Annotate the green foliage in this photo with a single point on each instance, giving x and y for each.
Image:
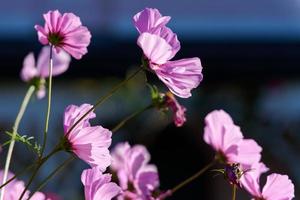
(27, 140)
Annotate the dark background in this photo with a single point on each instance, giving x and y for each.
(250, 52)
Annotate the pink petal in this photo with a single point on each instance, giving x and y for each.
(42, 34)
(170, 37)
(74, 113)
(147, 180)
(248, 152)
(221, 133)
(148, 19)
(91, 145)
(155, 48)
(29, 70)
(278, 187)
(41, 93)
(98, 186)
(38, 196)
(51, 19)
(181, 76)
(250, 179)
(179, 110)
(74, 38)
(61, 62)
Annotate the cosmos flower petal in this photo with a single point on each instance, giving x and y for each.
(248, 152)
(250, 179)
(61, 62)
(149, 19)
(64, 31)
(132, 168)
(29, 70)
(89, 143)
(181, 76)
(220, 131)
(98, 186)
(73, 113)
(155, 48)
(278, 187)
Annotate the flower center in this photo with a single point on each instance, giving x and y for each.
(233, 173)
(55, 39)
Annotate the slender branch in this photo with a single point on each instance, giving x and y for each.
(192, 178)
(18, 174)
(233, 192)
(49, 101)
(40, 162)
(53, 173)
(104, 98)
(24, 104)
(129, 117)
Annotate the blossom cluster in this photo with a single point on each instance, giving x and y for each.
(130, 176)
(243, 159)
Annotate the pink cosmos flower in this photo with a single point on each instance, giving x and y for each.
(149, 20)
(136, 177)
(227, 140)
(89, 143)
(160, 45)
(277, 187)
(40, 69)
(64, 31)
(98, 186)
(14, 189)
(179, 110)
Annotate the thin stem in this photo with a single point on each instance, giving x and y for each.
(24, 104)
(104, 98)
(58, 169)
(49, 100)
(233, 192)
(192, 178)
(129, 117)
(18, 174)
(40, 162)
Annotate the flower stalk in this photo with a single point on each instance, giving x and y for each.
(233, 192)
(104, 98)
(23, 107)
(193, 177)
(49, 100)
(129, 117)
(52, 174)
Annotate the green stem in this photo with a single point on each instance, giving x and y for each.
(129, 117)
(192, 178)
(233, 192)
(58, 169)
(40, 162)
(24, 104)
(49, 101)
(104, 98)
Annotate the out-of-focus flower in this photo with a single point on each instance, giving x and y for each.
(137, 178)
(227, 140)
(160, 45)
(14, 189)
(53, 196)
(64, 31)
(36, 72)
(178, 110)
(98, 186)
(89, 143)
(277, 187)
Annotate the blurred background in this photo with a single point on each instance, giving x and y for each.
(250, 51)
